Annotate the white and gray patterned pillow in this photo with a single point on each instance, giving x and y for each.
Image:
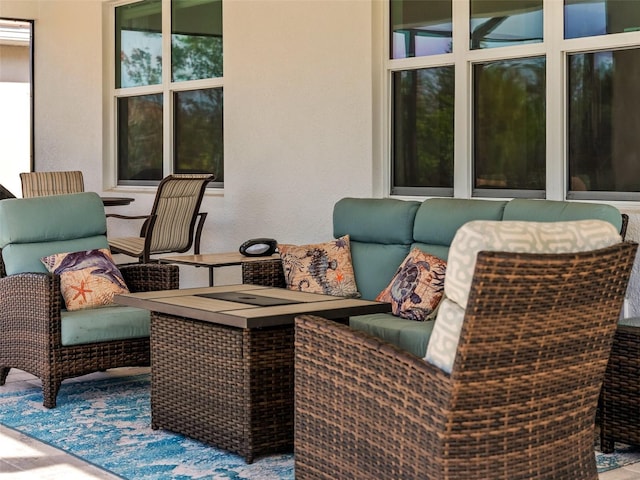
(505, 236)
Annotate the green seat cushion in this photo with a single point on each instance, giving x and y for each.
(408, 335)
(103, 324)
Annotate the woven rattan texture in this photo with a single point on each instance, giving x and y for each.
(620, 398)
(30, 328)
(268, 273)
(520, 402)
(229, 387)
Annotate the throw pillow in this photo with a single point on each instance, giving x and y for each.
(87, 279)
(505, 236)
(320, 268)
(417, 287)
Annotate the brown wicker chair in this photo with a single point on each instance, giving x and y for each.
(520, 402)
(31, 308)
(171, 225)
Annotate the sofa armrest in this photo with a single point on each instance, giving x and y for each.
(30, 304)
(149, 277)
(362, 403)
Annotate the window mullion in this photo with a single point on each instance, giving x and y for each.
(167, 100)
(462, 168)
(556, 158)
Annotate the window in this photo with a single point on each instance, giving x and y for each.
(168, 90)
(521, 98)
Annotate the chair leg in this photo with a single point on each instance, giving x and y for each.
(50, 389)
(606, 445)
(4, 371)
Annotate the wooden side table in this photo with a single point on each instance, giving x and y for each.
(215, 260)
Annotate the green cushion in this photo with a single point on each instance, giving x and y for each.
(556, 211)
(438, 219)
(31, 228)
(103, 324)
(21, 258)
(375, 220)
(408, 335)
(381, 233)
(374, 266)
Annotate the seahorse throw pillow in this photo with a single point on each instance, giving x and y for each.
(417, 287)
(320, 268)
(88, 278)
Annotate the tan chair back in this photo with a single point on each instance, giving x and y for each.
(39, 184)
(176, 207)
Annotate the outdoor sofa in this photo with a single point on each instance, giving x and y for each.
(382, 232)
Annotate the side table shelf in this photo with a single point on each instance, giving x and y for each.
(252, 267)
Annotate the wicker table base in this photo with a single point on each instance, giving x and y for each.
(228, 387)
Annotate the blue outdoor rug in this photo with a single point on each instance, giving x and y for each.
(107, 423)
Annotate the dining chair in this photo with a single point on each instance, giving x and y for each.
(533, 333)
(39, 184)
(175, 222)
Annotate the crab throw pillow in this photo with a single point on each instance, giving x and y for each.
(87, 279)
(417, 287)
(320, 268)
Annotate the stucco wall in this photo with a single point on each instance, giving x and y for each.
(298, 113)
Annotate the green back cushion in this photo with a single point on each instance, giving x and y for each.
(556, 211)
(438, 220)
(31, 228)
(381, 233)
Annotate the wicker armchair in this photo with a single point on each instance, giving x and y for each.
(171, 225)
(521, 399)
(31, 308)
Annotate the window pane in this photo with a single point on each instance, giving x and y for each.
(139, 44)
(506, 22)
(196, 39)
(198, 132)
(422, 154)
(585, 18)
(140, 138)
(509, 124)
(420, 27)
(604, 145)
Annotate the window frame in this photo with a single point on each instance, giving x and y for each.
(556, 50)
(167, 88)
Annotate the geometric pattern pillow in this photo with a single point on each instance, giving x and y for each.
(87, 279)
(320, 268)
(417, 287)
(505, 236)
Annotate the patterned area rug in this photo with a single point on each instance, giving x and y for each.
(107, 423)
